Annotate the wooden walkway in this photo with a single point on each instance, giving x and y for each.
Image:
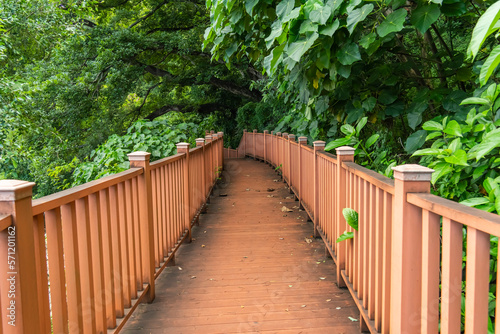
(250, 268)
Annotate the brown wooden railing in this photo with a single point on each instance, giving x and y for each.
(81, 260)
(404, 274)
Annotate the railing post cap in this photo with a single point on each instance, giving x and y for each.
(244, 130)
(220, 133)
(13, 190)
(319, 143)
(266, 131)
(254, 130)
(284, 134)
(212, 132)
(208, 137)
(345, 150)
(200, 141)
(291, 136)
(215, 136)
(278, 133)
(302, 139)
(412, 172)
(182, 145)
(139, 156)
(272, 132)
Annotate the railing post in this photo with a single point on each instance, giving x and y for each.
(285, 162)
(209, 177)
(302, 141)
(254, 133)
(291, 138)
(319, 145)
(244, 143)
(221, 136)
(145, 195)
(22, 304)
(184, 148)
(272, 149)
(406, 249)
(278, 151)
(344, 154)
(265, 146)
(201, 142)
(215, 152)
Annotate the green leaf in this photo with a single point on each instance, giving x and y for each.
(357, 16)
(484, 27)
(330, 29)
(489, 65)
(249, 5)
(337, 143)
(372, 140)
(432, 126)
(414, 119)
(395, 109)
(293, 15)
(297, 49)
(415, 141)
(393, 23)
(458, 158)
(367, 40)
(351, 217)
(440, 169)
(369, 103)
(284, 8)
(361, 124)
(348, 54)
(308, 26)
(475, 100)
(321, 15)
(480, 150)
(453, 128)
(346, 235)
(428, 151)
(423, 17)
(475, 201)
(387, 96)
(347, 129)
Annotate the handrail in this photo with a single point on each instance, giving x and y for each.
(5, 222)
(380, 181)
(472, 217)
(55, 200)
(167, 160)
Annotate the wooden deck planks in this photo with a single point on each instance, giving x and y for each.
(249, 268)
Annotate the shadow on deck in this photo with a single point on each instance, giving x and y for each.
(250, 268)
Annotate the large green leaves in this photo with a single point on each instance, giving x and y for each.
(490, 65)
(423, 17)
(485, 26)
(349, 54)
(321, 15)
(297, 49)
(284, 8)
(357, 16)
(393, 23)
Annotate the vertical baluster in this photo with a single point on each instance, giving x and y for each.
(117, 274)
(55, 252)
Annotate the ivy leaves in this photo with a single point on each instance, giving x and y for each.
(423, 17)
(393, 23)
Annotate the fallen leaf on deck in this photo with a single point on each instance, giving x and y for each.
(203, 246)
(322, 278)
(180, 268)
(289, 197)
(308, 240)
(248, 189)
(193, 277)
(286, 310)
(290, 286)
(328, 300)
(270, 189)
(295, 207)
(270, 195)
(282, 238)
(276, 180)
(222, 195)
(352, 319)
(285, 209)
(242, 306)
(303, 306)
(338, 308)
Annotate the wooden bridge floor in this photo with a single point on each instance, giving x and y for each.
(250, 268)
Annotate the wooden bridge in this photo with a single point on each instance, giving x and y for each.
(111, 255)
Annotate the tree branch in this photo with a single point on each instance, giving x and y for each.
(148, 14)
(146, 97)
